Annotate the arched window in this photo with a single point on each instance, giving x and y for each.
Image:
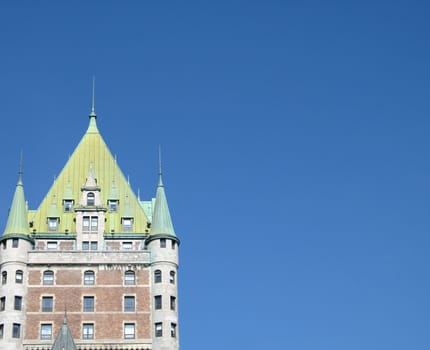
(4, 277)
(48, 277)
(172, 277)
(89, 277)
(18, 276)
(157, 276)
(129, 278)
(90, 198)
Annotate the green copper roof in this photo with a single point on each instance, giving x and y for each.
(90, 165)
(64, 340)
(17, 222)
(113, 192)
(161, 220)
(53, 211)
(128, 212)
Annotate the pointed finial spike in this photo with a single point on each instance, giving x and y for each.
(94, 86)
(160, 173)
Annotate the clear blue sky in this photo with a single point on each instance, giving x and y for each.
(295, 139)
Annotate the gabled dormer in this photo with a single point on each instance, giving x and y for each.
(90, 191)
(53, 218)
(68, 199)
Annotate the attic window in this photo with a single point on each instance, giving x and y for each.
(53, 224)
(68, 205)
(113, 205)
(127, 224)
(90, 198)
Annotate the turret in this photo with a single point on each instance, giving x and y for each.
(14, 245)
(163, 245)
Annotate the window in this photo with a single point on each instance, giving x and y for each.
(51, 245)
(157, 276)
(129, 304)
(16, 330)
(88, 304)
(88, 331)
(53, 224)
(89, 245)
(127, 245)
(158, 302)
(162, 243)
(113, 205)
(173, 244)
(46, 331)
(86, 223)
(158, 329)
(129, 278)
(47, 304)
(127, 224)
(129, 330)
(2, 303)
(172, 277)
(17, 303)
(18, 276)
(3, 243)
(90, 199)
(48, 277)
(15, 242)
(89, 278)
(1, 330)
(172, 303)
(94, 223)
(4, 277)
(173, 330)
(68, 205)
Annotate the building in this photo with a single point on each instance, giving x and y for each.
(93, 267)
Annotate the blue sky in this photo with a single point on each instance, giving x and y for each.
(295, 149)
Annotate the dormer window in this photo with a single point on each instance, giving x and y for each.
(53, 224)
(127, 224)
(68, 205)
(113, 205)
(90, 199)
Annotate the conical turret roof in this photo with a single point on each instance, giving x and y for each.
(17, 222)
(64, 340)
(161, 220)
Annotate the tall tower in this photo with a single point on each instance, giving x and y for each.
(14, 244)
(163, 245)
(96, 249)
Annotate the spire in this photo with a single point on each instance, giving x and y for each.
(53, 212)
(92, 128)
(161, 220)
(68, 193)
(64, 340)
(128, 212)
(17, 222)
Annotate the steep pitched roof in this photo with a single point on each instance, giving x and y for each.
(93, 157)
(17, 222)
(64, 340)
(161, 220)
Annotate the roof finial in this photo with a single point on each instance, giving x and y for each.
(93, 113)
(160, 173)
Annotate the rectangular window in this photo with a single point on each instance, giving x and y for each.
(113, 206)
(129, 331)
(162, 243)
(53, 224)
(127, 224)
(159, 329)
(51, 245)
(46, 331)
(129, 304)
(127, 245)
(17, 303)
(173, 244)
(129, 278)
(94, 245)
(1, 330)
(2, 303)
(48, 277)
(89, 278)
(85, 245)
(18, 276)
(172, 303)
(94, 223)
(15, 242)
(16, 330)
(173, 330)
(47, 304)
(86, 223)
(4, 277)
(68, 205)
(88, 331)
(88, 304)
(158, 302)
